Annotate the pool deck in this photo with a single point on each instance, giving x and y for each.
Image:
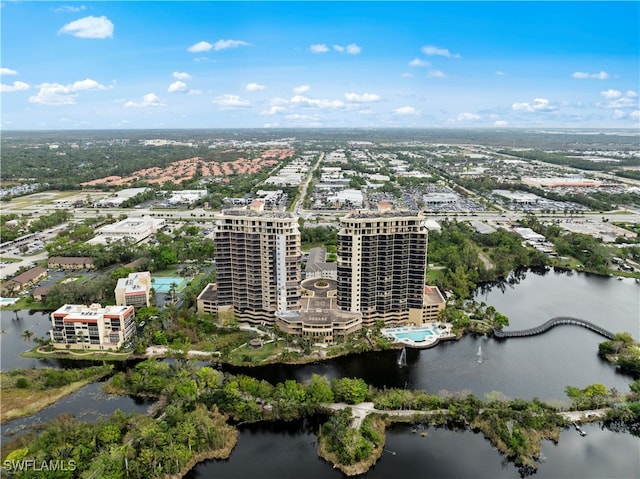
(438, 334)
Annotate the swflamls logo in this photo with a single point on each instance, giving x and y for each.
(33, 465)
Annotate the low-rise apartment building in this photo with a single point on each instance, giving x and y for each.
(92, 327)
(134, 290)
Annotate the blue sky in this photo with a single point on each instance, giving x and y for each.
(95, 65)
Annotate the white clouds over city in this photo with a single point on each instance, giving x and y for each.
(228, 101)
(418, 62)
(89, 27)
(617, 99)
(254, 87)
(468, 117)
(204, 46)
(177, 86)
(361, 98)
(319, 48)
(350, 49)
(538, 104)
(595, 76)
(55, 94)
(405, 111)
(150, 100)
(431, 50)
(16, 86)
(301, 89)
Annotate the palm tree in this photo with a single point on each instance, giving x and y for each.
(27, 335)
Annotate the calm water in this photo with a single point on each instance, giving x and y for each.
(12, 344)
(87, 404)
(539, 366)
(290, 451)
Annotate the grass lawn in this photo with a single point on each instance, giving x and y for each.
(241, 355)
(35, 395)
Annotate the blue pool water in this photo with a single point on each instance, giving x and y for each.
(418, 334)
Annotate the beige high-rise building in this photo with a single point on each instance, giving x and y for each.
(382, 259)
(258, 263)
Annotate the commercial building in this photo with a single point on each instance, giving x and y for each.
(136, 229)
(258, 263)
(134, 290)
(382, 259)
(92, 327)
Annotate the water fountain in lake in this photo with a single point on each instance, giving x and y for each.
(479, 355)
(402, 360)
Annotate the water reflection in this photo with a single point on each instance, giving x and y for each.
(289, 450)
(87, 404)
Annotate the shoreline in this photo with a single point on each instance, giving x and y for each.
(31, 402)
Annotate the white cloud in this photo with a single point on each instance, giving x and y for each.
(364, 98)
(7, 71)
(431, 50)
(70, 9)
(617, 100)
(181, 76)
(254, 87)
(623, 102)
(148, 100)
(200, 47)
(224, 44)
(194, 92)
(619, 115)
(230, 101)
(323, 103)
(610, 94)
(437, 74)
(635, 115)
(500, 123)
(177, 86)
(17, 86)
(319, 48)
(596, 76)
(273, 110)
(301, 89)
(89, 27)
(405, 111)
(499, 73)
(279, 101)
(538, 104)
(300, 117)
(58, 94)
(351, 49)
(418, 62)
(468, 116)
(407, 75)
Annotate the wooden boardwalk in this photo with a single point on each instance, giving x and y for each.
(553, 322)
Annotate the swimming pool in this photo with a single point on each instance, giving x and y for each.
(417, 334)
(412, 334)
(7, 301)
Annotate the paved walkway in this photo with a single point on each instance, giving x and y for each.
(361, 410)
